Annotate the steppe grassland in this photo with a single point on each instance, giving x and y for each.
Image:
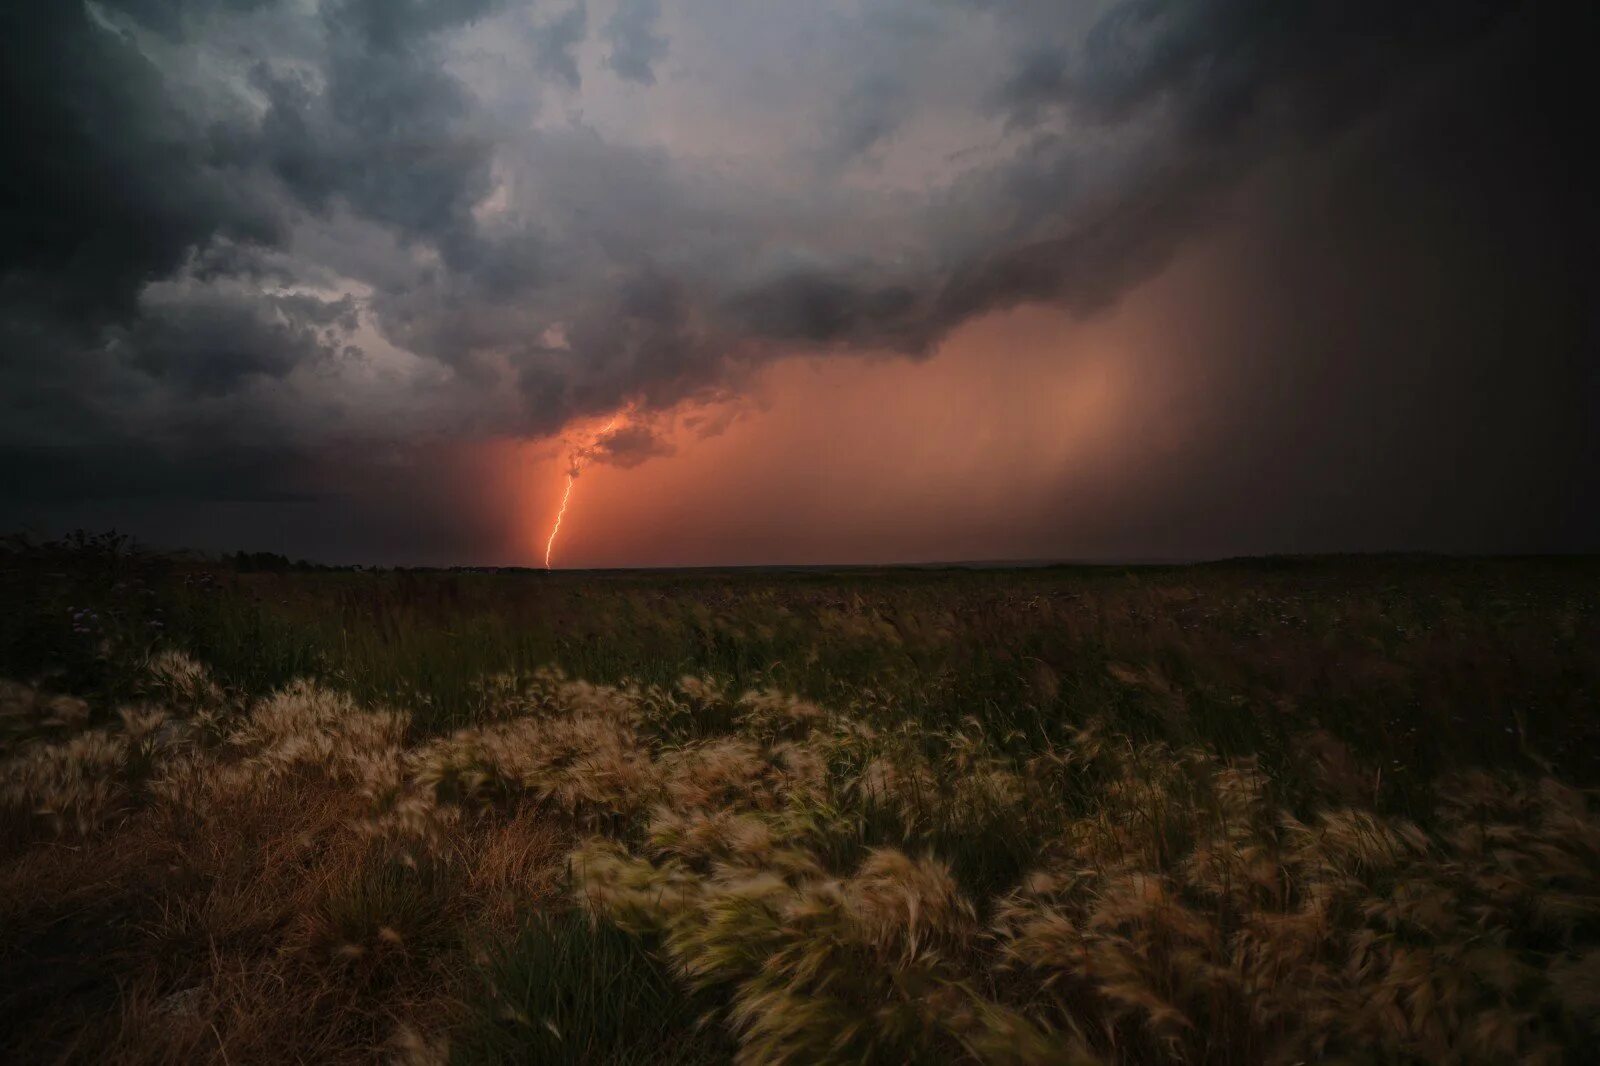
(1152, 837)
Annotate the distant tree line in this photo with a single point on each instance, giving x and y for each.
(273, 563)
(110, 551)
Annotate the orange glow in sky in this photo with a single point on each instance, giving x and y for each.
(867, 460)
(578, 458)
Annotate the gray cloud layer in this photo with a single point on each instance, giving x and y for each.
(238, 232)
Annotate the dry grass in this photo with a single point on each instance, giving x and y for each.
(234, 891)
(613, 872)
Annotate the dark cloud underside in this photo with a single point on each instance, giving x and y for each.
(240, 236)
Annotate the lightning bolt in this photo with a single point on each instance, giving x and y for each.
(578, 459)
(551, 542)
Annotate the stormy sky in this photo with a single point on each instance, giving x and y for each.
(890, 280)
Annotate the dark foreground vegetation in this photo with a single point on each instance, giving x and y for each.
(1261, 811)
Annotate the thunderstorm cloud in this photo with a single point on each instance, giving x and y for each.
(243, 235)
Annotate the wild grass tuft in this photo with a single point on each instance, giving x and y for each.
(1206, 815)
(565, 990)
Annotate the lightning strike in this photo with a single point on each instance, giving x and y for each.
(551, 541)
(578, 458)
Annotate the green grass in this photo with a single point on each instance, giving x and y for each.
(387, 908)
(568, 991)
(1020, 774)
(1427, 663)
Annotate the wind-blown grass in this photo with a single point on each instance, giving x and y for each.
(566, 990)
(1140, 854)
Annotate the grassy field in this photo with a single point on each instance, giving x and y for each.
(1263, 811)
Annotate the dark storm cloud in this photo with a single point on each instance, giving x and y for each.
(636, 44)
(125, 197)
(824, 308)
(281, 228)
(389, 135)
(1221, 63)
(397, 25)
(555, 40)
(107, 182)
(867, 116)
(124, 469)
(626, 447)
(1226, 83)
(212, 342)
